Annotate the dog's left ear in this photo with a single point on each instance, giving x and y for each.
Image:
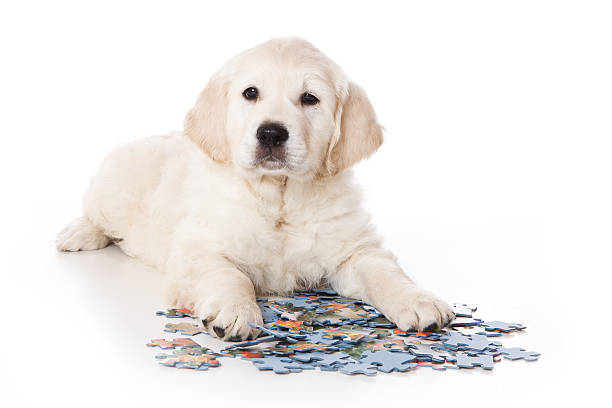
(205, 122)
(358, 133)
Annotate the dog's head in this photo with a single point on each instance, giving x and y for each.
(284, 108)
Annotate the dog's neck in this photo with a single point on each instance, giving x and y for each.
(268, 189)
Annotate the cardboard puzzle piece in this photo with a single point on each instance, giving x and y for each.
(380, 321)
(280, 365)
(458, 341)
(176, 313)
(183, 360)
(294, 326)
(438, 366)
(463, 310)
(467, 361)
(305, 302)
(346, 335)
(358, 367)
(502, 326)
(187, 329)
(249, 343)
(388, 361)
(465, 322)
(306, 346)
(320, 336)
(427, 352)
(517, 353)
(281, 335)
(173, 343)
(269, 315)
(319, 359)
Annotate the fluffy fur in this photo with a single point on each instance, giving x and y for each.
(224, 227)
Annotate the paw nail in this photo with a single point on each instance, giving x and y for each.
(219, 331)
(431, 327)
(235, 338)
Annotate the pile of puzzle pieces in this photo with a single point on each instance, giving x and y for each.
(323, 330)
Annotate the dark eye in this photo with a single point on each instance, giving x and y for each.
(309, 99)
(250, 94)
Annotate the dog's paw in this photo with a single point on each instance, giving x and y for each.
(229, 320)
(81, 235)
(418, 310)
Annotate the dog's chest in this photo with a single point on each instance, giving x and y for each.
(286, 243)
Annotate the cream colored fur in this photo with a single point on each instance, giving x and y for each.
(222, 228)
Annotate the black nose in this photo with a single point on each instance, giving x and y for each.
(272, 134)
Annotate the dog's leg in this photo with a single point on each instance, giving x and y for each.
(81, 235)
(374, 276)
(221, 295)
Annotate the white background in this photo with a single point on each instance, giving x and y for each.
(493, 187)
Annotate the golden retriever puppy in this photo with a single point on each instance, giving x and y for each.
(255, 196)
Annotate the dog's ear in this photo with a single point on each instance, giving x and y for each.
(205, 122)
(358, 133)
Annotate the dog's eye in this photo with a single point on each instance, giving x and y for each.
(309, 99)
(250, 94)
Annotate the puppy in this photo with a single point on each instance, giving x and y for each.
(255, 196)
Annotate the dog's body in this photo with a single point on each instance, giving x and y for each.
(270, 208)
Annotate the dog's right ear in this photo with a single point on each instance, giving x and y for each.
(205, 122)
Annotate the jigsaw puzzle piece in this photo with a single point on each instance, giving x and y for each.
(249, 343)
(306, 347)
(381, 321)
(349, 336)
(294, 326)
(280, 364)
(358, 367)
(463, 310)
(517, 353)
(319, 359)
(458, 341)
(437, 366)
(465, 322)
(502, 326)
(427, 352)
(173, 343)
(286, 336)
(176, 313)
(187, 329)
(182, 359)
(321, 336)
(388, 361)
(467, 361)
(304, 302)
(269, 314)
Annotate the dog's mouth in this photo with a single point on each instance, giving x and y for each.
(270, 158)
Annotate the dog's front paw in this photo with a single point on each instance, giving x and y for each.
(418, 310)
(229, 319)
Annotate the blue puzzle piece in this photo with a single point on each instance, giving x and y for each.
(463, 310)
(280, 365)
(388, 361)
(269, 315)
(319, 359)
(517, 353)
(358, 367)
(458, 341)
(427, 352)
(283, 335)
(249, 343)
(465, 322)
(307, 304)
(502, 326)
(466, 361)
